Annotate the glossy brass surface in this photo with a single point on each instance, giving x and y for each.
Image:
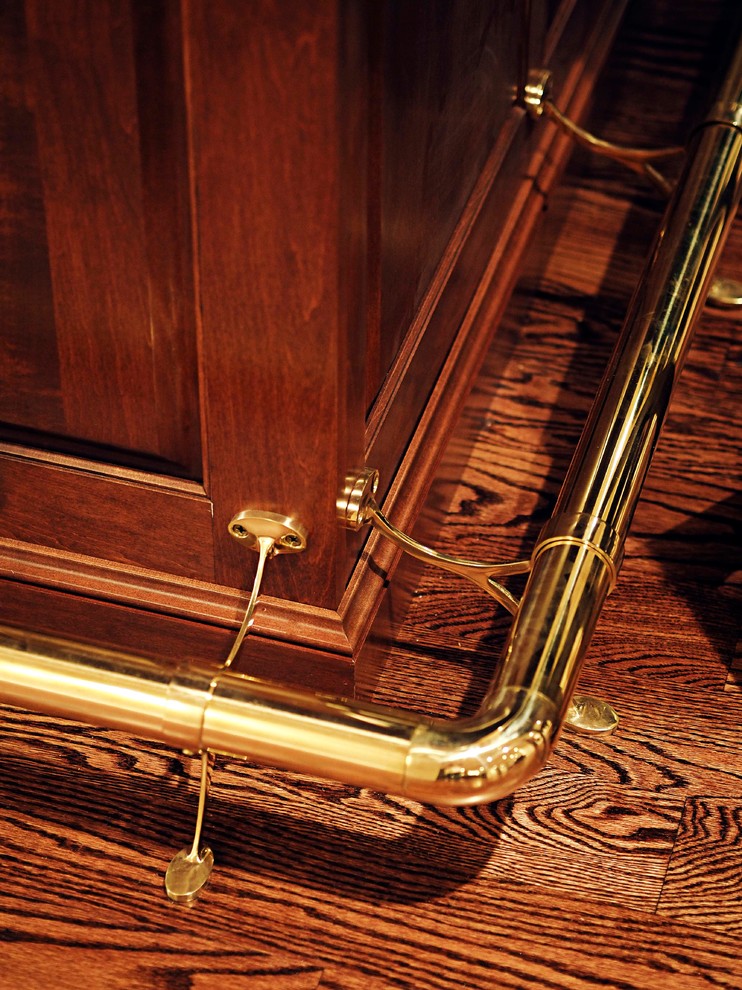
(358, 507)
(573, 568)
(287, 535)
(726, 293)
(190, 869)
(269, 534)
(591, 716)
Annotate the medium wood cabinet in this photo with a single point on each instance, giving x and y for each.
(245, 249)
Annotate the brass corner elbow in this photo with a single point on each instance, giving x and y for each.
(483, 759)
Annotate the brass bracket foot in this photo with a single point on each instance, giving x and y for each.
(591, 716)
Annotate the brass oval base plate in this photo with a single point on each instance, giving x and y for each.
(726, 293)
(252, 525)
(187, 874)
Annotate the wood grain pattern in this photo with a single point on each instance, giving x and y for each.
(115, 274)
(267, 136)
(282, 872)
(488, 239)
(704, 877)
(618, 867)
(23, 251)
(109, 518)
(65, 968)
(282, 353)
(428, 168)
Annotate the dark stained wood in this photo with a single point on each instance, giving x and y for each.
(489, 234)
(105, 517)
(295, 868)
(116, 274)
(216, 227)
(429, 168)
(268, 137)
(332, 873)
(618, 867)
(24, 252)
(488, 239)
(172, 639)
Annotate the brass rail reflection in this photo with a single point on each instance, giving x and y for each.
(573, 567)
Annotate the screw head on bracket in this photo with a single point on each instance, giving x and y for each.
(288, 535)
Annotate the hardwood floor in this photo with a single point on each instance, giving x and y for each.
(619, 866)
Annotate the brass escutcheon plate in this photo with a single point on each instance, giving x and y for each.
(252, 525)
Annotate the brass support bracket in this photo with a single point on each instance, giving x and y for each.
(538, 101)
(724, 293)
(357, 507)
(287, 535)
(269, 534)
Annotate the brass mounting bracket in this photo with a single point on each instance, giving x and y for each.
(254, 525)
(538, 101)
(357, 507)
(269, 534)
(724, 292)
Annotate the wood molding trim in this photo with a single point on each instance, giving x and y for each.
(408, 489)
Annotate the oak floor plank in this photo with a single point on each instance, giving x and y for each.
(486, 933)
(659, 746)
(633, 639)
(607, 828)
(66, 967)
(704, 878)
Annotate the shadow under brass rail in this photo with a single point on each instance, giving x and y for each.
(573, 568)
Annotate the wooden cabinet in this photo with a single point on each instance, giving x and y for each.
(247, 248)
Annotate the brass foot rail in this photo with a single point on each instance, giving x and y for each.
(573, 568)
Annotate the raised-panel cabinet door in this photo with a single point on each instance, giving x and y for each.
(98, 324)
(176, 289)
(100, 418)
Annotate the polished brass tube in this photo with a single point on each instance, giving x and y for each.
(603, 484)
(574, 566)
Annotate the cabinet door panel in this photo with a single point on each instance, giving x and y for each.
(250, 247)
(97, 304)
(30, 392)
(120, 516)
(189, 302)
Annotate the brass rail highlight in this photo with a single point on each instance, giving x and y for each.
(574, 565)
